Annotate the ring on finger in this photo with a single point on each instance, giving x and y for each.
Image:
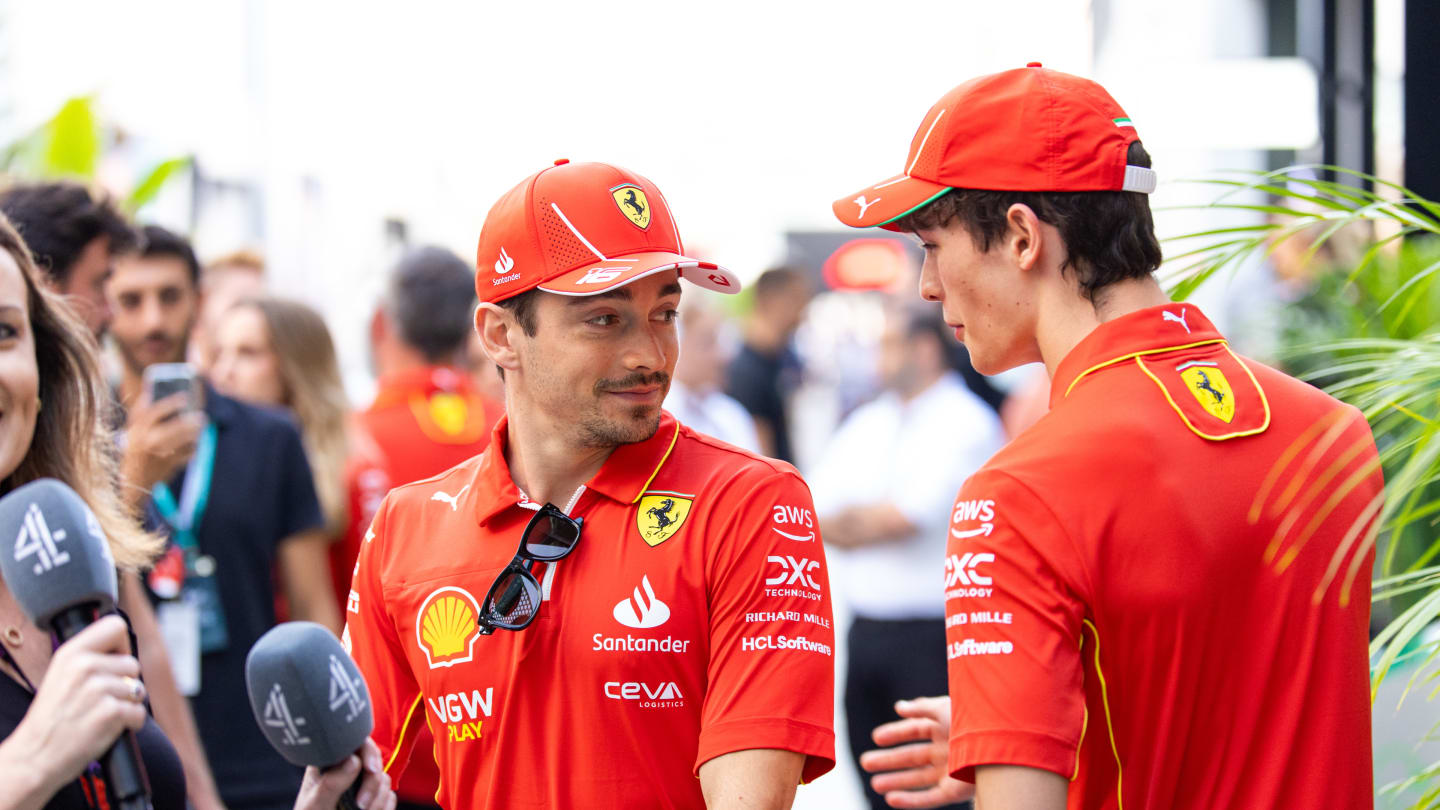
(135, 689)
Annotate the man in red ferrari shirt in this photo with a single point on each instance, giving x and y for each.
(604, 605)
(427, 416)
(1158, 595)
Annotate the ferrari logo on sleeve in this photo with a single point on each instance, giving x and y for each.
(632, 202)
(1207, 382)
(660, 515)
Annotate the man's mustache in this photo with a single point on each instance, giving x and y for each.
(632, 381)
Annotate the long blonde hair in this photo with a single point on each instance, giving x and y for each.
(310, 379)
(73, 440)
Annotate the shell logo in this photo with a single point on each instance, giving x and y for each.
(447, 627)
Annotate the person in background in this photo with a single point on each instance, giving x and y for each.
(74, 237)
(62, 707)
(883, 488)
(243, 502)
(428, 416)
(695, 397)
(765, 371)
(271, 351)
(226, 280)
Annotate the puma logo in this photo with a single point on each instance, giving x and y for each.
(864, 205)
(1180, 319)
(453, 500)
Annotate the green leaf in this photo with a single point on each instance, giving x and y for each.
(73, 135)
(149, 187)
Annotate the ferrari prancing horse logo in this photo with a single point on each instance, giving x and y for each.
(633, 203)
(1207, 382)
(660, 515)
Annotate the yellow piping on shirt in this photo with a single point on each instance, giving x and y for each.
(663, 459)
(1132, 355)
(1183, 418)
(400, 740)
(1109, 725)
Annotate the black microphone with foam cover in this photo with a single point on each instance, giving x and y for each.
(309, 697)
(57, 563)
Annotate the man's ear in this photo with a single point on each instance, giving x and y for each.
(1024, 238)
(498, 331)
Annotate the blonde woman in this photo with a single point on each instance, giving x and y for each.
(271, 351)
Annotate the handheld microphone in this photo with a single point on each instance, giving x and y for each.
(56, 561)
(309, 698)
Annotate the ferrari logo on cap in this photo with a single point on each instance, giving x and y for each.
(1207, 382)
(632, 202)
(660, 515)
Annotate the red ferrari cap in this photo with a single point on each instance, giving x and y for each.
(1029, 129)
(582, 229)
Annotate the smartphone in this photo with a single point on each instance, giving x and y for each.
(167, 379)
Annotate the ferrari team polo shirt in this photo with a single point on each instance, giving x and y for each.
(1161, 590)
(423, 421)
(692, 620)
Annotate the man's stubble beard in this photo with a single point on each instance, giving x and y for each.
(597, 431)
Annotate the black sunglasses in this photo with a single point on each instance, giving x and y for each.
(513, 600)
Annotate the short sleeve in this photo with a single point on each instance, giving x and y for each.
(371, 639)
(299, 504)
(1012, 631)
(771, 678)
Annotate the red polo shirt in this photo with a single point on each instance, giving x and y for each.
(692, 620)
(1161, 590)
(423, 421)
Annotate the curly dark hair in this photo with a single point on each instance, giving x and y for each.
(57, 221)
(1109, 235)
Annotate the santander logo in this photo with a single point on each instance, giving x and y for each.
(505, 264)
(642, 612)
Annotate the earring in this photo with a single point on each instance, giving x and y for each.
(39, 405)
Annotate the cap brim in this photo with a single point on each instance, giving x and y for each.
(607, 275)
(881, 204)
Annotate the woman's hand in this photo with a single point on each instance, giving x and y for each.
(90, 694)
(321, 789)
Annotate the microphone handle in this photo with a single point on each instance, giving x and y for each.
(126, 782)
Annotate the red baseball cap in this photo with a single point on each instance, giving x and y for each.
(582, 229)
(1030, 129)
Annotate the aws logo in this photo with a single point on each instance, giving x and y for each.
(801, 518)
(447, 628)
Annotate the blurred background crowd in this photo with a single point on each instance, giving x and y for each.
(286, 197)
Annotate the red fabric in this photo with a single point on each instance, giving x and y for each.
(581, 229)
(1028, 129)
(422, 422)
(649, 656)
(1116, 576)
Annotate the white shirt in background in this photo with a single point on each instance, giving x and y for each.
(915, 456)
(714, 414)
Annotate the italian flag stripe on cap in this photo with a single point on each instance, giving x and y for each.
(1123, 122)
